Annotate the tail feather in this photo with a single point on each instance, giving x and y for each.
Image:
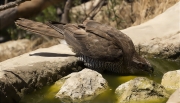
(56, 26)
(38, 28)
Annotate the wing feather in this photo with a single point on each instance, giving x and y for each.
(120, 39)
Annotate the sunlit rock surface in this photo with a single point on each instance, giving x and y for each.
(13, 48)
(141, 90)
(159, 36)
(175, 97)
(18, 47)
(82, 86)
(171, 80)
(28, 72)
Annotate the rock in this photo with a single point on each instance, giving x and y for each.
(12, 49)
(158, 36)
(141, 89)
(171, 80)
(33, 70)
(164, 47)
(82, 86)
(175, 97)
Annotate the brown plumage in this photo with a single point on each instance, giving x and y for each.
(100, 46)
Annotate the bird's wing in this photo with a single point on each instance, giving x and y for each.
(92, 44)
(120, 39)
(37, 28)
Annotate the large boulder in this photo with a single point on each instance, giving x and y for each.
(171, 80)
(82, 86)
(141, 89)
(159, 36)
(31, 71)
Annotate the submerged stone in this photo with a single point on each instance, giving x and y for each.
(82, 86)
(141, 89)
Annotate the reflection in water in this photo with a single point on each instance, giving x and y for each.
(46, 95)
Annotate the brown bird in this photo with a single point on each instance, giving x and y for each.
(99, 46)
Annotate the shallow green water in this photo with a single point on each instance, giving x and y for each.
(46, 95)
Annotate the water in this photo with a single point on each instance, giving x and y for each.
(46, 95)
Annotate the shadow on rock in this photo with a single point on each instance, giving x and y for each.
(46, 54)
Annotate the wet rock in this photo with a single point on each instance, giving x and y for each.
(82, 86)
(141, 89)
(171, 80)
(33, 70)
(175, 97)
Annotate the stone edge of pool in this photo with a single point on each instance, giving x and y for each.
(33, 70)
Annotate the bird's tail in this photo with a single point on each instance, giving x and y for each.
(49, 29)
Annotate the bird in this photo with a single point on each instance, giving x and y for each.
(101, 47)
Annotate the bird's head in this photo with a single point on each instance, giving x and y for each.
(141, 64)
